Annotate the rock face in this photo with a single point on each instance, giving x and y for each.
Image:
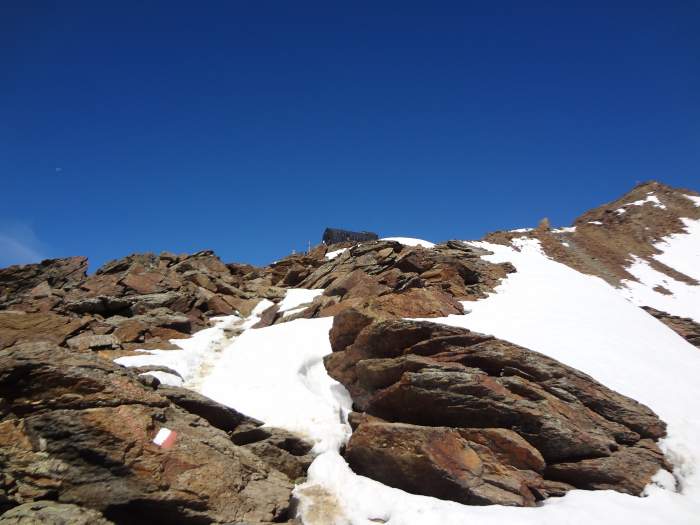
(78, 430)
(464, 416)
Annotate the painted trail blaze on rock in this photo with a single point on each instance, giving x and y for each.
(459, 415)
(165, 438)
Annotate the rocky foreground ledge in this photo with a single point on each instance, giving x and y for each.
(78, 444)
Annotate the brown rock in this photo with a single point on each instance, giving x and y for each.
(435, 461)
(529, 412)
(143, 283)
(509, 447)
(130, 331)
(626, 470)
(165, 334)
(18, 328)
(356, 284)
(346, 326)
(417, 302)
(18, 281)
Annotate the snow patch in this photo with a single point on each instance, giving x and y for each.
(276, 374)
(295, 297)
(649, 198)
(194, 352)
(681, 251)
(335, 253)
(409, 241)
(694, 198)
(597, 223)
(683, 301)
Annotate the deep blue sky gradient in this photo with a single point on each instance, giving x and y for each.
(247, 127)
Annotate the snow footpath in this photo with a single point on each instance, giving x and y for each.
(276, 374)
(682, 253)
(273, 374)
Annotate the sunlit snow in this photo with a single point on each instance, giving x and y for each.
(335, 253)
(409, 241)
(694, 198)
(681, 252)
(295, 297)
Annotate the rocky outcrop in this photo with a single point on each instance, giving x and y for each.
(468, 417)
(389, 279)
(683, 326)
(42, 284)
(78, 430)
(140, 301)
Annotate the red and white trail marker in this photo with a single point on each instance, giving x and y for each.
(165, 438)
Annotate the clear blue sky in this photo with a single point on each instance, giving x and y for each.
(247, 127)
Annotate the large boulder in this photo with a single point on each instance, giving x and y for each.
(438, 462)
(555, 425)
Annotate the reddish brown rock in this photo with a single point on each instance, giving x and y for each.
(520, 408)
(18, 328)
(509, 447)
(56, 273)
(143, 283)
(626, 470)
(346, 326)
(435, 461)
(416, 302)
